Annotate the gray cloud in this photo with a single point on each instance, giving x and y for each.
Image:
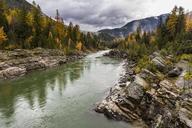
(96, 14)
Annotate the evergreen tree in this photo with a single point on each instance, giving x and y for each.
(181, 21)
(57, 17)
(138, 34)
(37, 27)
(22, 29)
(3, 21)
(161, 34)
(145, 38)
(77, 33)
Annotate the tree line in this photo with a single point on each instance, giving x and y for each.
(26, 28)
(174, 35)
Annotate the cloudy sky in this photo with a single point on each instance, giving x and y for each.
(93, 15)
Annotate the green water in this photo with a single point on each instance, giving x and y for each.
(63, 97)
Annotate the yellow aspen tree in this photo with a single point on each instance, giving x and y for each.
(58, 43)
(30, 19)
(79, 46)
(172, 22)
(3, 36)
(189, 24)
(44, 22)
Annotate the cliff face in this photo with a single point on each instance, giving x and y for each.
(159, 99)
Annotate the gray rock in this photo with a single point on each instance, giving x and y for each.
(117, 54)
(122, 85)
(148, 76)
(19, 61)
(157, 101)
(135, 90)
(185, 117)
(12, 72)
(159, 63)
(175, 72)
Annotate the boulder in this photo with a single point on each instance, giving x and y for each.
(117, 54)
(12, 72)
(135, 90)
(148, 76)
(141, 82)
(175, 72)
(159, 62)
(185, 117)
(34, 66)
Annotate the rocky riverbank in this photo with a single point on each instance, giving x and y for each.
(20, 62)
(160, 99)
(117, 54)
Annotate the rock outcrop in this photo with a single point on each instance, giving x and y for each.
(175, 72)
(19, 62)
(147, 97)
(117, 54)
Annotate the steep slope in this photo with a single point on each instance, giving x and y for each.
(147, 24)
(17, 4)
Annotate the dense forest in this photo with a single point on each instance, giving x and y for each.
(28, 28)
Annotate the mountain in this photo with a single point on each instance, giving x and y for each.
(148, 24)
(17, 4)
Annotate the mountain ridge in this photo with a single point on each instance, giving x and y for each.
(147, 24)
(18, 4)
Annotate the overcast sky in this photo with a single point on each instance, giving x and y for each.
(93, 15)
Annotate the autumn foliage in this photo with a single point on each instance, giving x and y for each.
(3, 36)
(30, 28)
(174, 35)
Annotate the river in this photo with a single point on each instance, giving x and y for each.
(62, 97)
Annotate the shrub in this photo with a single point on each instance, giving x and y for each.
(146, 63)
(188, 76)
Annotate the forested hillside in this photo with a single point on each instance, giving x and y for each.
(25, 26)
(172, 36)
(17, 4)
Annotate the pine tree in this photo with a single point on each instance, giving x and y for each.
(57, 17)
(77, 33)
(181, 21)
(145, 38)
(138, 34)
(3, 21)
(161, 34)
(37, 26)
(22, 29)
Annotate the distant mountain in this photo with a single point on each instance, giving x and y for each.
(148, 24)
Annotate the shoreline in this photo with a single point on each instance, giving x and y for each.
(156, 99)
(19, 62)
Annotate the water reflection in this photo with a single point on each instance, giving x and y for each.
(60, 96)
(35, 85)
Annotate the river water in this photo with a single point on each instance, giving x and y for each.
(63, 97)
